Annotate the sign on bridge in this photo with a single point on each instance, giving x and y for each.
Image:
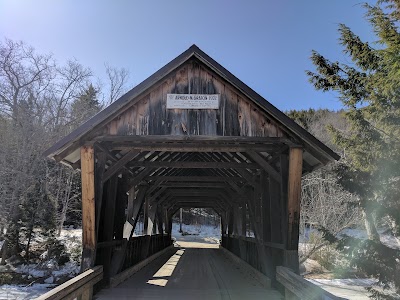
(192, 101)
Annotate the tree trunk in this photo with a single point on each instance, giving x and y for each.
(370, 226)
(3, 252)
(30, 232)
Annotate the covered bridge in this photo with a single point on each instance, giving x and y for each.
(191, 135)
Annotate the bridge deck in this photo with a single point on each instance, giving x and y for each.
(191, 273)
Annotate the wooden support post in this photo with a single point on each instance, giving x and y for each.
(160, 221)
(275, 210)
(284, 165)
(120, 206)
(146, 206)
(265, 207)
(108, 224)
(243, 212)
(230, 222)
(99, 185)
(151, 217)
(294, 194)
(88, 208)
(169, 218)
(224, 224)
(257, 209)
(137, 207)
(237, 220)
(251, 207)
(166, 220)
(129, 213)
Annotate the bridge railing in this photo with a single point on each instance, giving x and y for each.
(248, 249)
(296, 287)
(80, 287)
(141, 247)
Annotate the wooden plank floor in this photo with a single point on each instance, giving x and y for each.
(191, 273)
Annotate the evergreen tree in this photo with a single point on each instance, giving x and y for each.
(369, 91)
(85, 106)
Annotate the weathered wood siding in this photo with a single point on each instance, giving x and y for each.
(236, 116)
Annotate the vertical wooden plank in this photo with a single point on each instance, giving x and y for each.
(237, 220)
(88, 208)
(146, 206)
(266, 207)
(230, 222)
(137, 207)
(243, 213)
(251, 206)
(98, 179)
(108, 222)
(275, 210)
(291, 259)
(151, 217)
(129, 214)
(258, 209)
(120, 206)
(294, 194)
(284, 172)
(160, 221)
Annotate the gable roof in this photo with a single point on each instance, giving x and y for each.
(74, 140)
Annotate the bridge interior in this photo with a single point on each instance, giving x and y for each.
(191, 273)
(244, 179)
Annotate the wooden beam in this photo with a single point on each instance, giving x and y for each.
(195, 184)
(193, 165)
(264, 164)
(67, 151)
(247, 176)
(294, 193)
(151, 218)
(275, 210)
(137, 206)
(193, 147)
(120, 164)
(111, 157)
(139, 177)
(108, 224)
(190, 138)
(266, 207)
(120, 206)
(99, 185)
(88, 208)
(196, 178)
(129, 213)
(284, 166)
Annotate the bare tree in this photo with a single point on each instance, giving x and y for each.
(35, 95)
(117, 81)
(325, 206)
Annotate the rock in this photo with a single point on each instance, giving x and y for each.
(49, 280)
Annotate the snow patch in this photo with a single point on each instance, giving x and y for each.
(23, 292)
(364, 282)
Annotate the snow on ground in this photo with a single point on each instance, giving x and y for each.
(386, 239)
(47, 270)
(347, 288)
(199, 233)
(18, 292)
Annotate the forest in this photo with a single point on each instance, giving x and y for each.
(42, 100)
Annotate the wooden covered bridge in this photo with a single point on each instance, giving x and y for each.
(191, 135)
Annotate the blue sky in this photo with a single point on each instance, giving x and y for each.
(266, 44)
